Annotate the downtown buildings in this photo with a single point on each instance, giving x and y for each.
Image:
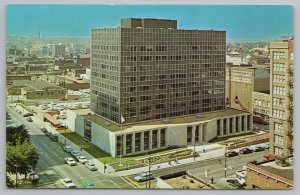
(167, 83)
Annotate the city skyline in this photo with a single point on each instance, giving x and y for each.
(25, 20)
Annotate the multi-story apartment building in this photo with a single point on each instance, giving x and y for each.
(148, 69)
(281, 83)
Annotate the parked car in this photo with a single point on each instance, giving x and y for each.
(75, 153)
(232, 154)
(68, 148)
(91, 166)
(29, 119)
(144, 177)
(54, 137)
(28, 114)
(258, 149)
(43, 130)
(245, 151)
(33, 176)
(48, 133)
(258, 161)
(81, 159)
(70, 161)
(68, 183)
(88, 184)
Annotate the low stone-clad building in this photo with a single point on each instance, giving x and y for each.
(130, 139)
(39, 90)
(269, 176)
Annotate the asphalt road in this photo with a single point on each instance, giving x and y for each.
(212, 167)
(51, 166)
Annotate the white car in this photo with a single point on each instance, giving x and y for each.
(68, 183)
(68, 149)
(75, 153)
(70, 161)
(91, 166)
(81, 159)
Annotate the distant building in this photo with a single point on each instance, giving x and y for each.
(267, 176)
(58, 50)
(83, 60)
(39, 90)
(282, 109)
(241, 83)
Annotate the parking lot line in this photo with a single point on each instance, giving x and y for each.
(133, 182)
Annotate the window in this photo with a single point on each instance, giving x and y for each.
(278, 113)
(278, 127)
(278, 101)
(279, 67)
(278, 90)
(87, 130)
(278, 151)
(278, 55)
(278, 78)
(278, 139)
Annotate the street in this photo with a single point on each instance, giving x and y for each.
(51, 166)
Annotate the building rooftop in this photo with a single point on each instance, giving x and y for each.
(186, 182)
(273, 169)
(35, 85)
(160, 122)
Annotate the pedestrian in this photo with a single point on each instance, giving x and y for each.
(220, 161)
(203, 150)
(169, 162)
(212, 180)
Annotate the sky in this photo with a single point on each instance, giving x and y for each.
(251, 22)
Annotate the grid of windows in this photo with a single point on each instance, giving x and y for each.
(278, 113)
(278, 55)
(279, 67)
(278, 101)
(278, 90)
(165, 72)
(278, 127)
(278, 139)
(278, 78)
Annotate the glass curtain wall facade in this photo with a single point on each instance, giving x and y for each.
(156, 73)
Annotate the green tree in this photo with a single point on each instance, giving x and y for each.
(17, 134)
(20, 157)
(19, 71)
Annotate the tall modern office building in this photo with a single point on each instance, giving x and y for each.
(148, 69)
(281, 82)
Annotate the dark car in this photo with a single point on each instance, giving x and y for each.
(259, 149)
(54, 137)
(28, 114)
(232, 154)
(43, 130)
(245, 151)
(48, 133)
(258, 161)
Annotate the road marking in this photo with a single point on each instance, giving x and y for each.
(129, 183)
(114, 183)
(133, 182)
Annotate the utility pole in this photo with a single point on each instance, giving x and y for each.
(225, 160)
(149, 163)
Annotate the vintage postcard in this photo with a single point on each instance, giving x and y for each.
(149, 96)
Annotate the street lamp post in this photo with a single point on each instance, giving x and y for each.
(225, 160)
(194, 154)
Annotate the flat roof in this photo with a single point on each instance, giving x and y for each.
(186, 182)
(159, 122)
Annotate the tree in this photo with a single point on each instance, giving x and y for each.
(20, 157)
(17, 134)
